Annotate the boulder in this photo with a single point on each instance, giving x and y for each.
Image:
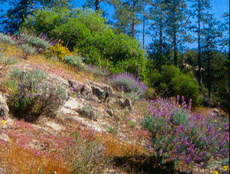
(127, 103)
(80, 88)
(4, 110)
(86, 91)
(102, 92)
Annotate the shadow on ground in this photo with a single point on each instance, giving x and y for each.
(144, 165)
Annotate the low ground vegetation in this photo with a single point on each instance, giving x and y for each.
(179, 138)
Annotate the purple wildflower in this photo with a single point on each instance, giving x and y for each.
(161, 151)
(188, 159)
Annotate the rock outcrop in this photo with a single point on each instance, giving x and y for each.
(4, 110)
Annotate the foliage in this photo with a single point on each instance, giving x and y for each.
(27, 49)
(87, 32)
(6, 39)
(8, 60)
(96, 70)
(35, 41)
(58, 50)
(21, 10)
(74, 61)
(32, 96)
(186, 86)
(128, 83)
(88, 156)
(112, 130)
(180, 136)
(86, 110)
(171, 82)
(125, 16)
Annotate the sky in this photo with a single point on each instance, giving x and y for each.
(218, 8)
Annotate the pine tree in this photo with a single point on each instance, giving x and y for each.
(158, 16)
(177, 24)
(212, 37)
(12, 20)
(126, 16)
(93, 4)
(199, 13)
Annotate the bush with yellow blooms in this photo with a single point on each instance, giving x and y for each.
(58, 50)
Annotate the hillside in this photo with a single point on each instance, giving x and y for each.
(63, 140)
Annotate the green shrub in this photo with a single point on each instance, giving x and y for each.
(10, 61)
(33, 96)
(35, 41)
(74, 61)
(27, 49)
(185, 85)
(171, 82)
(6, 39)
(86, 31)
(86, 110)
(112, 130)
(96, 70)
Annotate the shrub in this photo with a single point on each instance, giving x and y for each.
(112, 130)
(59, 51)
(35, 41)
(33, 96)
(88, 156)
(86, 31)
(182, 137)
(6, 39)
(186, 86)
(86, 110)
(74, 61)
(38, 44)
(9, 61)
(27, 49)
(129, 84)
(96, 70)
(1, 56)
(171, 82)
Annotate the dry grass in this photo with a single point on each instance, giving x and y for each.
(21, 160)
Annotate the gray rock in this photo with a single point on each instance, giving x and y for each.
(4, 110)
(101, 91)
(127, 103)
(110, 112)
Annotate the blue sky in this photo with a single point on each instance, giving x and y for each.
(218, 8)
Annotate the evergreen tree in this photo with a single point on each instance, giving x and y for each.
(177, 25)
(93, 4)
(199, 13)
(158, 16)
(126, 16)
(212, 36)
(13, 19)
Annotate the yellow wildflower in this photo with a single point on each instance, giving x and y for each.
(75, 62)
(3, 122)
(179, 106)
(83, 64)
(215, 120)
(215, 172)
(100, 66)
(225, 168)
(219, 128)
